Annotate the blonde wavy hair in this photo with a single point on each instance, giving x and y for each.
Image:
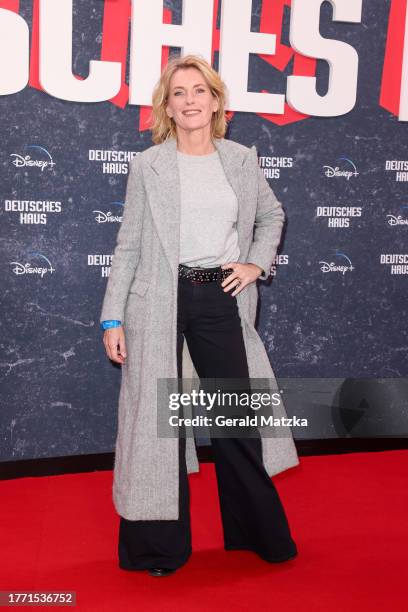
(163, 126)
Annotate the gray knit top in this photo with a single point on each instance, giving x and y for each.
(209, 209)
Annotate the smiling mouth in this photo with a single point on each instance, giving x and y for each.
(191, 112)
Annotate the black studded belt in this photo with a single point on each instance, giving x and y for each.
(203, 275)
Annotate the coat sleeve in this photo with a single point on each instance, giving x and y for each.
(269, 220)
(127, 249)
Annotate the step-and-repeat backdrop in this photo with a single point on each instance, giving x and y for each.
(321, 88)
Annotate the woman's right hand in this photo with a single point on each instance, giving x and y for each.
(115, 345)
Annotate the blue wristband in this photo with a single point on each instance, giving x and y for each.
(110, 323)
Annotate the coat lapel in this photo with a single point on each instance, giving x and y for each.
(165, 201)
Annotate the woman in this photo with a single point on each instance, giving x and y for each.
(200, 225)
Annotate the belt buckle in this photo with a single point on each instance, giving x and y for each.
(187, 272)
(198, 281)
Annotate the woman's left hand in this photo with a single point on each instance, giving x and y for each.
(242, 275)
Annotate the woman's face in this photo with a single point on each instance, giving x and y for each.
(190, 102)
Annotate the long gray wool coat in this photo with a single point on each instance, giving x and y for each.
(141, 291)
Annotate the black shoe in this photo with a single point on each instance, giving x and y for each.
(161, 571)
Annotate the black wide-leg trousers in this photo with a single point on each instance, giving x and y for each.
(252, 514)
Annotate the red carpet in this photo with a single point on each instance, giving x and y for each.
(348, 515)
